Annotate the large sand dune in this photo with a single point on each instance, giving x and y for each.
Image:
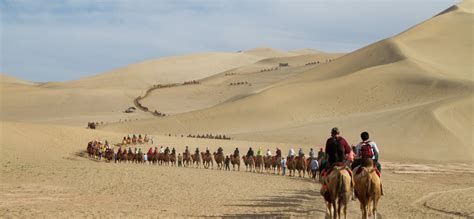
(411, 72)
(412, 92)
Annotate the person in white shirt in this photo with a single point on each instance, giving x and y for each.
(269, 153)
(291, 153)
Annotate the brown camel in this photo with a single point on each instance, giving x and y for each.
(235, 160)
(249, 163)
(291, 166)
(268, 163)
(173, 159)
(300, 164)
(259, 163)
(196, 160)
(339, 190)
(187, 159)
(207, 160)
(219, 158)
(276, 164)
(368, 188)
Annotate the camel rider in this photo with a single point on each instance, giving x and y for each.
(139, 150)
(130, 150)
(150, 151)
(269, 153)
(207, 151)
(259, 152)
(162, 150)
(196, 151)
(186, 151)
(278, 152)
(311, 153)
(300, 153)
(250, 152)
(336, 147)
(291, 153)
(156, 150)
(367, 149)
(167, 150)
(236, 153)
(336, 150)
(220, 151)
(173, 151)
(321, 154)
(136, 150)
(119, 150)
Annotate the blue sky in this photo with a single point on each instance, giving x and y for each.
(52, 40)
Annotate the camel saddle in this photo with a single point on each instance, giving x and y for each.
(358, 170)
(337, 166)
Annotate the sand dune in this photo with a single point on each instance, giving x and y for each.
(385, 76)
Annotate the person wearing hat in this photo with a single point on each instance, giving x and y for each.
(259, 152)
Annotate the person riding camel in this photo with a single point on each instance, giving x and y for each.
(167, 150)
(311, 153)
(291, 153)
(186, 151)
(156, 150)
(278, 152)
(250, 152)
(136, 150)
(162, 150)
(130, 150)
(259, 151)
(119, 150)
(336, 150)
(220, 151)
(173, 151)
(139, 150)
(367, 149)
(207, 151)
(269, 153)
(321, 154)
(150, 151)
(300, 152)
(336, 147)
(236, 153)
(196, 151)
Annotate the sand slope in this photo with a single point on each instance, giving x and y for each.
(403, 73)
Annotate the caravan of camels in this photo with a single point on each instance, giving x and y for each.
(342, 175)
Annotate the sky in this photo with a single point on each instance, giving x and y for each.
(51, 40)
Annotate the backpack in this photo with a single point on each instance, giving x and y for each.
(337, 150)
(366, 150)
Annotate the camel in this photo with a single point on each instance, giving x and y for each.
(276, 164)
(268, 163)
(196, 159)
(339, 191)
(291, 166)
(259, 163)
(207, 160)
(235, 160)
(300, 165)
(173, 159)
(368, 188)
(165, 158)
(109, 155)
(249, 163)
(187, 159)
(219, 158)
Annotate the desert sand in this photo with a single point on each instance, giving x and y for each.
(412, 92)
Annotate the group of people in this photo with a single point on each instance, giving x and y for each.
(136, 139)
(210, 136)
